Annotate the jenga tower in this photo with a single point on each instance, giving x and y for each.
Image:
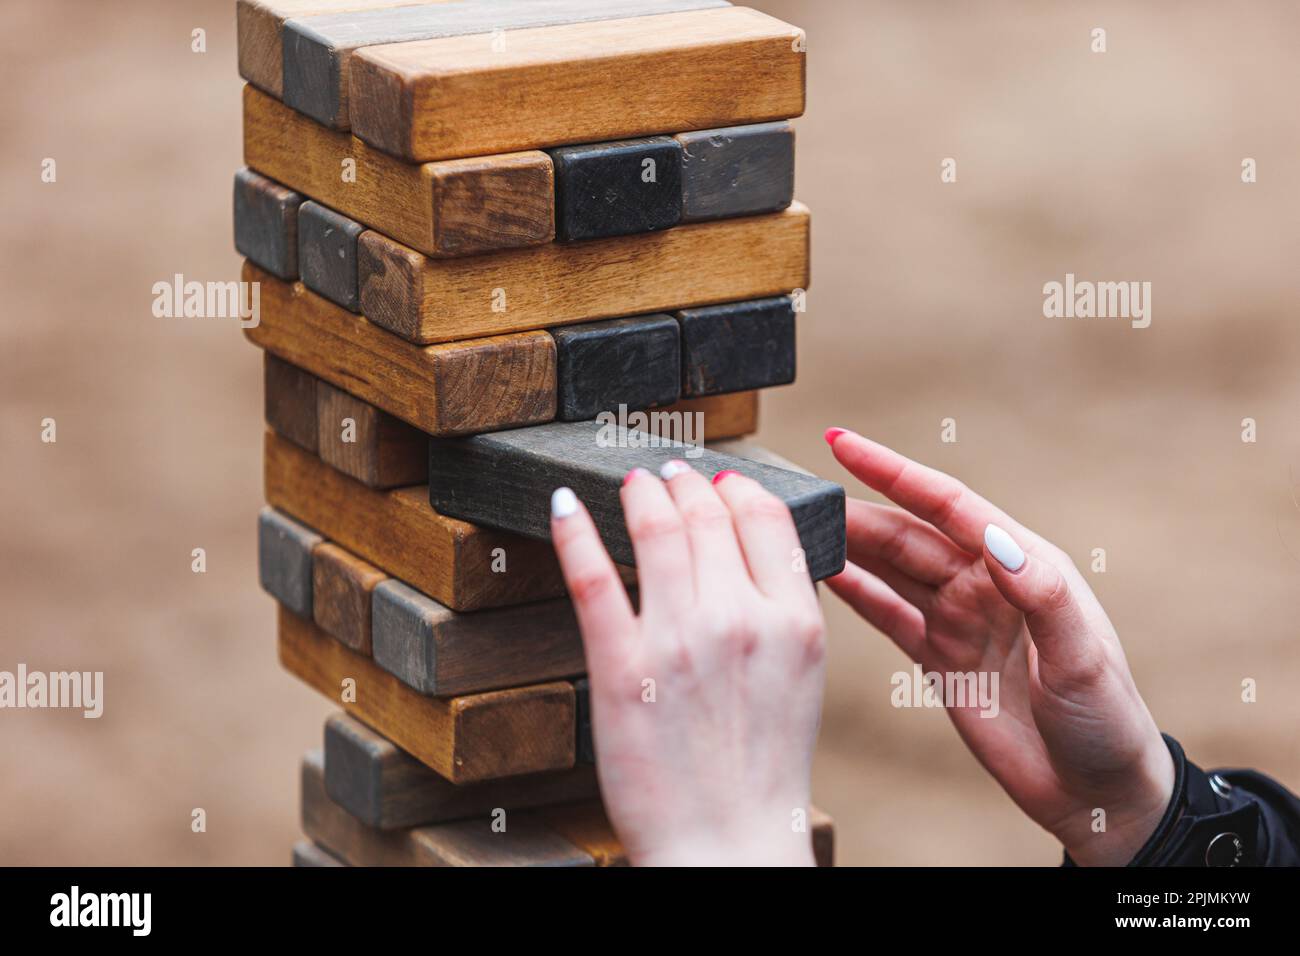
(500, 246)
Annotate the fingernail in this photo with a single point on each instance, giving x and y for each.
(723, 474)
(1003, 547)
(634, 473)
(672, 469)
(832, 434)
(563, 503)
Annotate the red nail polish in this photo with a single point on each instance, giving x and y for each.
(632, 474)
(723, 474)
(832, 434)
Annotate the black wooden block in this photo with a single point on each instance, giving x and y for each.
(616, 189)
(738, 171)
(266, 223)
(600, 365)
(284, 560)
(327, 254)
(505, 479)
(737, 346)
(585, 751)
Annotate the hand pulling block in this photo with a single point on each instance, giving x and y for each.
(505, 480)
(631, 362)
(385, 787)
(266, 223)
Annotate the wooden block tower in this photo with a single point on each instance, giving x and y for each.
(488, 235)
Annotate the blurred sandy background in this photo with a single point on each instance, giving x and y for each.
(926, 304)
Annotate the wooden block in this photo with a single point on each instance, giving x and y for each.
(443, 654)
(318, 50)
(260, 23)
(579, 83)
(449, 560)
(823, 836)
(723, 416)
(585, 750)
(308, 854)
(505, 479)
(466, 739)
(284, 559)
(385, 787)
(742, 448)
(456, 388)
(601, 365)
(525, 841)
(586, 826)
(454, 208)
(266, 223)
(327, 254)
(290, 401)
(737, 346)
(617, 189)
(369, 445)
(738, 171)
(441, 300)
(342, 590)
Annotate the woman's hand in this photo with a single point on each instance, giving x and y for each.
(959, 586)
(705, 705)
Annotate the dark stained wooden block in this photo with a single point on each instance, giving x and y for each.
(617, 189)
(385, 787)
(342, 590)
(823, 836)
(290, 401)
(585, 752)
(327, 254)
(284, 560)
(505, 480)
(443, 653)
(738, 171)
(600, 365)
(308, 854)
(266, 223)
(737, 346)
(368, 444)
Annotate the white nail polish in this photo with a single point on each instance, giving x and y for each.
(563, 503)
(671, 469)
(1003, 547)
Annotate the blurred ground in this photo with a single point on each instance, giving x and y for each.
(926, 305)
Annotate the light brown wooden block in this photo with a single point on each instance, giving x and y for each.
(343, 587)
(290, 401)
(465, 739)
(586, 825)
(725, 416)
(526, 841)
(452, 208)
(486, 384)
(366, 444)
(449, 560)
(459, 96)
(441, 300)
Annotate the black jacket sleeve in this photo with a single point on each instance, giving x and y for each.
(1223, 818)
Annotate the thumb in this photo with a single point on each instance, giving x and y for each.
(1042, 593)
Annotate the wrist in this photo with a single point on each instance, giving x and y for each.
(1132, 818)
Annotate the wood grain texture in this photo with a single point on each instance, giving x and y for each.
(442, 653)
(449, 560)
(580, 83)
(259, 26)
(308, 854)
(738, 346)
(588, 828)
(723, 416)
(744, 448)
(364, 443)
(525, 841)
(601, 365)
(505, 479)
(384, 787)
(455, 388)
(343, 586)
(266, 223)
(428, 300)
(318, 50)
(585, 750)
(290, 401)
(467, 739)
(737, 171)
(617, 189)
(454, 208)
(327, 254)
(284, 559)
